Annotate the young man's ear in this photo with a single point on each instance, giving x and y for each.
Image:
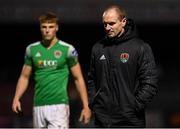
(57, 27)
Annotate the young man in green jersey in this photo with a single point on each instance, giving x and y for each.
(51, 60)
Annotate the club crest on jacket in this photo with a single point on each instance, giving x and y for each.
(124, 57)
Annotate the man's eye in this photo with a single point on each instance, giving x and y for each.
(111, 23)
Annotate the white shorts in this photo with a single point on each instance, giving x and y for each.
(51, 116)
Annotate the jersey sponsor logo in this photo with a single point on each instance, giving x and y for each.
(47, 63)
(57, 53)
(124, 57)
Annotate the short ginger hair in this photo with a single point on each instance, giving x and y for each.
(48, 17)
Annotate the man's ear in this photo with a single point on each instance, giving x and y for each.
(57, 27)
(124, 20)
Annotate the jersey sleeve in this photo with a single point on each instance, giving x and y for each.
(28, 59)
(72, 56)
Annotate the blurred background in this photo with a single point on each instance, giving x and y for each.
(158, 23)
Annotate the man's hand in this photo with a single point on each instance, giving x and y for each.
(85, 115)
(16, 106)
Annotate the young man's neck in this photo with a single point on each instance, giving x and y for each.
(50, 43)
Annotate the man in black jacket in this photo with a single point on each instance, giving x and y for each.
(122, 73)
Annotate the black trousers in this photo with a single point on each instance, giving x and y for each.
(98, 123)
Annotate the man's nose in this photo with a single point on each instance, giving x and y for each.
(47, 30)
(108, 27)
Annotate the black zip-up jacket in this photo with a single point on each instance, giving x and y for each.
(124, 76)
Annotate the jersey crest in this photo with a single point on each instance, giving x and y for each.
(57, 53)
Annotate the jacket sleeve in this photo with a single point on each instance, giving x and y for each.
(91, 80)
(147, 77)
